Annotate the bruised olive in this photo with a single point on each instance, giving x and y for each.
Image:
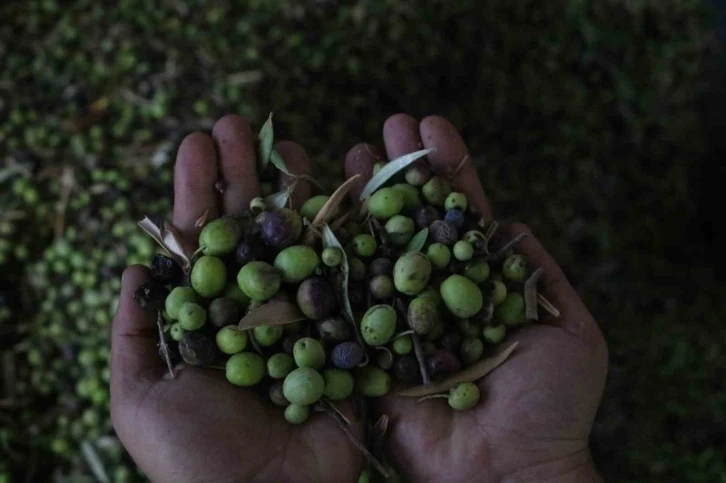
(442, 232)
(425, 216)
(334, 329)
(316, 298)
(197, 349)
(281, 228)
(442, 363)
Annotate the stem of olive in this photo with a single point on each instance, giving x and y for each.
(162, 343)
(432, 396)
(420, 358)
(530, 294)
(368, 455)
(500, 253)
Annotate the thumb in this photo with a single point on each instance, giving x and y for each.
(134, 337)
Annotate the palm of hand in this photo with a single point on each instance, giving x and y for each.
(199, 427)
(535, 408)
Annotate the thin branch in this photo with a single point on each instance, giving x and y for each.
(420, 357)
(162, 344)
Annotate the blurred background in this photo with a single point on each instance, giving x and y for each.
(598, 123)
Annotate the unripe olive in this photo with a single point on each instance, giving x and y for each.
(461, 296)
(296, 263)
(220, 236)
(411, 273)
(385, 203)
(400, 230)
(436, 190)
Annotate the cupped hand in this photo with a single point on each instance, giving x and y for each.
(537, 409)
(198, 427)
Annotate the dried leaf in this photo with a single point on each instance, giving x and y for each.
(470, 374)
(530, 294)
(266, 138)
(273, 313)
(390, 170)
(329, 240)
(279, 200)
(169, 239)
(547, 305)
(418, 241)
(279, 162)
(202, 220)
(330, 208)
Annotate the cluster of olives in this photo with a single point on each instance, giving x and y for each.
(422, 308)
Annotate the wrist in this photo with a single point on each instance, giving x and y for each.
(576, 468)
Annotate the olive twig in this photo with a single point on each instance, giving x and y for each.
(530, 294)
(368, 455)
(420, 358)
(502, 251)
(162, 343)
(334, 408)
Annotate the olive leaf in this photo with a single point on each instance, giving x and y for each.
(169, 239)
(530, 294)
(266, 138)
(418, 241)
(273, 313)
(279, 200)
(470, 374)
(329, 240)
(202, 220)
(94, 462)
(279, 162)
(330, 208)
(389, 170)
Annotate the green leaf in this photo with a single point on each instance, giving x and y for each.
(266, 138)
(329, 240)
(418, 241)
(279, 163)
(278, 200)
(390, 170)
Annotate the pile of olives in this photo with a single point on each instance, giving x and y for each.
(411, 292)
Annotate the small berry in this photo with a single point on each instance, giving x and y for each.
(456, 201)
(463, 396)
(332, 256)
(151, 296)
(295, 414)
(364, 245)
(192, 316)
(514, 268)
(338, 384)
(231, 340)
(309, 352)
(494, 334)
(347, 355)
(373, 381)
(245, 369)
(303, 386)
(463, 251)
(164, 269)
(267, 335)
(403, 345)
(197, 349)
(455, 218)
(280, 365)
(442, 232)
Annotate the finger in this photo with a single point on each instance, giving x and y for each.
(554, 286)
(438, 133)
(195, 173)
(401, 135)
(360, 160)
(298, 164)
(133, 335)
(237, 163)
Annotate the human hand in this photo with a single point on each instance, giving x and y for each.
(198, 427)
(537, 408)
